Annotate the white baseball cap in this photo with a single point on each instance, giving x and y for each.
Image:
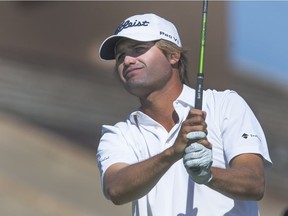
(144, 27)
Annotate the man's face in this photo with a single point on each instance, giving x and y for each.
(141, 66)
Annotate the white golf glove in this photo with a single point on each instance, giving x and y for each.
(197, 159)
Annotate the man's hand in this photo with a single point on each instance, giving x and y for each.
(197, 158)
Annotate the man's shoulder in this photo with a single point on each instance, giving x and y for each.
(221, 99)
(123, 126)
(221, 95)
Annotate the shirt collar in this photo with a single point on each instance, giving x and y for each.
(187, 96)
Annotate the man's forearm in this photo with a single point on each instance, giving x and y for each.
(124, 183)
(240, 182)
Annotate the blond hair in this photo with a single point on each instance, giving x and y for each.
(167, 48)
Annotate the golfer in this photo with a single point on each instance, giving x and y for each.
(168, 158)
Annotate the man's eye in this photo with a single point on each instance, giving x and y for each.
(140, 49)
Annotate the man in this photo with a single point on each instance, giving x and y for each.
(168, 158)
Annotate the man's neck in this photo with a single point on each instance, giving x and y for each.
(159, 106)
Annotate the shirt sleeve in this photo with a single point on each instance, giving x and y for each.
(113, 148)
(241, 131)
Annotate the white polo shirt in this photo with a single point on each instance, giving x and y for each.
(232, 130)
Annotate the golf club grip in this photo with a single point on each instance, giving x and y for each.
(199, 92)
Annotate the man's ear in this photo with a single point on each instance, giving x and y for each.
(174, 58)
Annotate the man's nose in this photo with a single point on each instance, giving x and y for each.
(129, 60)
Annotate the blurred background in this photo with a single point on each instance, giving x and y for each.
(55, 93)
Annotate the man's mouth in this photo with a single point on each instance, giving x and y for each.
(129, 70)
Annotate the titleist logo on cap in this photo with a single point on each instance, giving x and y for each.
(127, 24)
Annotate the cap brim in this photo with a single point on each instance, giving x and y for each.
(106, 50)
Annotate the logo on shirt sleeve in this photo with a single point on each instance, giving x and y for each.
(246, 136)
(102, 159)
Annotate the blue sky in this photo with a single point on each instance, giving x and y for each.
(259, 38)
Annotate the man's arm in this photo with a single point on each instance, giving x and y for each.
(124, 183)
(245, 179)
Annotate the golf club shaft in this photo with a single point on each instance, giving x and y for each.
(200, 75)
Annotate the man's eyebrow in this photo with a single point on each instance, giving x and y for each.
(148, 43)
(121, 49)
(137, 44)
(132, 45)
